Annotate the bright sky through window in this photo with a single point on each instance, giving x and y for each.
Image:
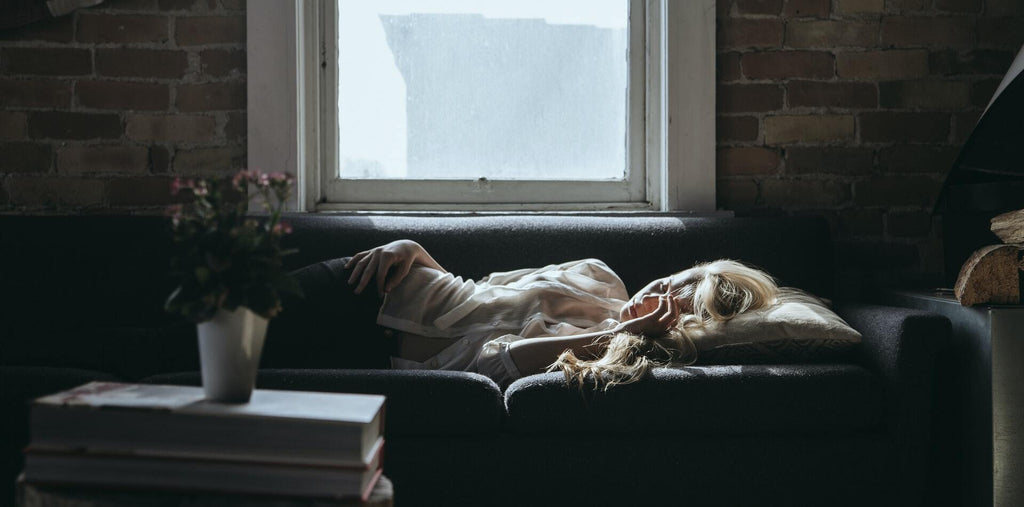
(518, 89)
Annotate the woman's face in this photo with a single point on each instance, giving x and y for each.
(680, 285)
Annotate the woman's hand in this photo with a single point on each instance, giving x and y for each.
(389, 263)
(652, 323)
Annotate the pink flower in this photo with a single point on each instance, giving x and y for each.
(200, 188)
(177, 185)
(282, 228)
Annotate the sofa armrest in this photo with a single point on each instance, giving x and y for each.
(901, 345)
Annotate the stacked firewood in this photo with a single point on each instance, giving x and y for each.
(992, 274)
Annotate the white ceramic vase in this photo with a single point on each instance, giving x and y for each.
(229, 354)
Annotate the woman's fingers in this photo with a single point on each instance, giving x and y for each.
(383, 266)
(367, 271)
(356, 258)
(357, 270)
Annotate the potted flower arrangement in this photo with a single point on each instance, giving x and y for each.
(230, 273)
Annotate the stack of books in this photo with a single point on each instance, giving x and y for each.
(288, 443)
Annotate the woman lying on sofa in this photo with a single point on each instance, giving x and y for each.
(573, 316)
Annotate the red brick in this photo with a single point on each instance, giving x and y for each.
(875, 255)
(976, 61)
(909, 224)
(47, 61)
(158, 63)
(897, 191)
(882, 65)
(40, 93)
(831, 94)
(924, 94)
(750, 33)
(151, 191)
(100, 28)
(209, 161)
(48, 30)
(159, 159)
(888, 127)
(183, 5)
(54, 191)
(12, 125)
(788, 64)
(916, 158)
(747, 160)
(973, 6)
(858, 222)
(123, 96)
(906, 6)
(927, 32)
(102, 159)
(728, 67)
(736, 128)
(828, 160)
(807, 8)
(210, 97)
(748, 98)
(808, 129)
(1001, 32)
(831, 34)
(983, 91)
(191, 31)
(795, 194)
(737, 194)
(861, 6)
(62, 125)
(963, 125)
(25, 158)
(128, 5)
(222, 62)
(236, 126)
(174, 128)
(768, 7)
(1004, 8)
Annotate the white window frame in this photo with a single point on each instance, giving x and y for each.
(289, 70)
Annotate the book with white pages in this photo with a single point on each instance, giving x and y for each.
(312, 428)
(139, 471)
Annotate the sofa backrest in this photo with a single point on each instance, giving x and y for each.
(797, 250)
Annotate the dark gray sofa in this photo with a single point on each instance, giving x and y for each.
(82, 300)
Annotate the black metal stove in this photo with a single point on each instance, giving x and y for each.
(988, 176)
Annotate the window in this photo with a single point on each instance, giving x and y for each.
(498, 105)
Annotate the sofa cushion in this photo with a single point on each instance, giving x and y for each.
(736, 400)
(798, 328)
(419, 403)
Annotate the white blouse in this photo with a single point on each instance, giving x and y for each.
(481, 318)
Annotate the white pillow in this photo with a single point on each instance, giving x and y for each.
(797, 328)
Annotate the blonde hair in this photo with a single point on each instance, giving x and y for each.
(726, 289)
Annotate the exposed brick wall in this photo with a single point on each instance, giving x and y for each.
(856, 109)
(853, 109)
(100, 109)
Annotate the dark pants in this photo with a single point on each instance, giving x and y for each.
(330, 326)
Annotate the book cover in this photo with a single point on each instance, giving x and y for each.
(296, 426)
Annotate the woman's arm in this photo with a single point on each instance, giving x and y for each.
(390, 263)
(534, 355)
